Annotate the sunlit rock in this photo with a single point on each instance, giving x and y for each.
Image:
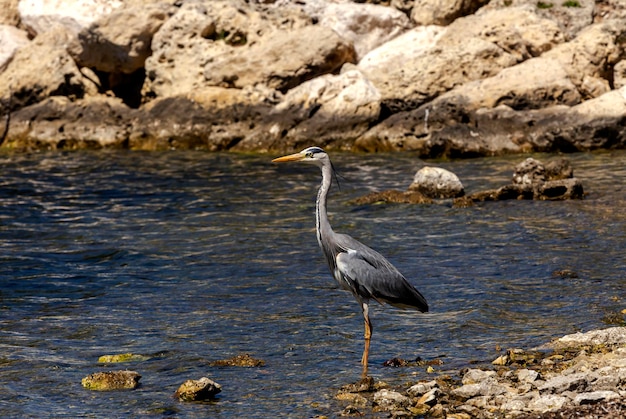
(40, 16)
(390, 400)
(11, 39)
(112, 380)
(127, 357)
(366, 26)
(435, 182)
(194, 390)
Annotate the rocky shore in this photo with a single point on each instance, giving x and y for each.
(441, 78)
(582, 375)
(579, 375)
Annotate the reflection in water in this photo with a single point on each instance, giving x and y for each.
(194, 257)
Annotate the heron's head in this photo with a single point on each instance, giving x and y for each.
(312, 154)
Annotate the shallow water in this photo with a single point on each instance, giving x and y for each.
(192, 257)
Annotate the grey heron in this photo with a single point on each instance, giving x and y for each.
(356, 267)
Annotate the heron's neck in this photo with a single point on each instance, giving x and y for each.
(322, 224)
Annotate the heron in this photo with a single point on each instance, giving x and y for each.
(357, 268)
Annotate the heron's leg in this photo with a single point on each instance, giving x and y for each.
(368, 336)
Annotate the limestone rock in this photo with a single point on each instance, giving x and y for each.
(120, 41)
(571, 18)
(619, 74)
(327, 108)
(41, 69)
(366, 26)
(574, 382)
(547, 403)
(194, 390)
(588, 57)
(58, 123)
(422, 388)
(442, 12)
(473, 376)
(430, 68)
(40, 16)
(112, 380)
(595, 397)
(9, 14)
(435, 182)
(268, 63)
(529, 173)
(11, 39)
(517, 30)
(206, 30)
(609, 336)
(390, 400)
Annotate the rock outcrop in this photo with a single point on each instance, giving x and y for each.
(442, 79)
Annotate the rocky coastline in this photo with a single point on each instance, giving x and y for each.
(578, 375)
(437, 78)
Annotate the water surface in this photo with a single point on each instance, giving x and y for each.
(192, 257)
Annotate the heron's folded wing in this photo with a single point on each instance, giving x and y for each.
(371, 276)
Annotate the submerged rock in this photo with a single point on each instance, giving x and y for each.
(393, 197)
(244, 360)
(127, 357)
(195, 390)
(112, 380)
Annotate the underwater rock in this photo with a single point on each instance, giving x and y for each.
(195, 390)
(127, 357)
(244, 360)
(393, 197)
(112, 380)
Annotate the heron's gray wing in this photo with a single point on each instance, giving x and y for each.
(370, 275)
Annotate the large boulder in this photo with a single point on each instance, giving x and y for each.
(590, 57)
(421, 64)
(120, 41)
(201, 32)
(517, 30)
(41, 69)
(282, 61)
(328, 108)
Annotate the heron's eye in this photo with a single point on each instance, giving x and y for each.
(309, 154)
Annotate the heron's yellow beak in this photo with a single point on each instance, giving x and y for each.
(291, 157)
